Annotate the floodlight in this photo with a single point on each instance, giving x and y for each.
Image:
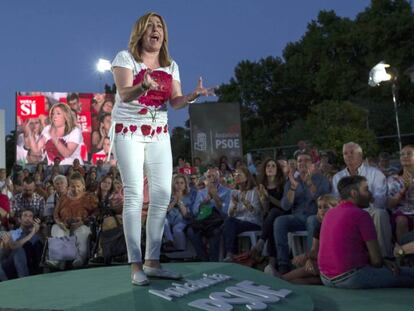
(103, 65)
(383, 72)
(379, 74)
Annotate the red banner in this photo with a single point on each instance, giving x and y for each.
(30, 106)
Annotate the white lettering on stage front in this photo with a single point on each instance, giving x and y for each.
(253, 296)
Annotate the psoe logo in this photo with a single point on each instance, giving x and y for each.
(200, 143)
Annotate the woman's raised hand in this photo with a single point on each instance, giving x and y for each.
(200, 90)
(148, 82)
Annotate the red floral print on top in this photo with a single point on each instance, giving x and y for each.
(155, 98)
(51, 150)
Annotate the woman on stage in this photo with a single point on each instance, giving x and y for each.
(146, 78)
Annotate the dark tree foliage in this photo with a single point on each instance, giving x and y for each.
(329, 63)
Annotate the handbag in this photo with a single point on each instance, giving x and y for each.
(62, 248)
(113, 242)
(209, 222)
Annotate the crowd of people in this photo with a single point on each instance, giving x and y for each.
(359, 219)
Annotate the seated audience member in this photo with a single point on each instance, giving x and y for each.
(406, 247)
(284, 165)
(270, 189)
(238, 163)
(61, 188)
(77, 167)
(186, 169)
(24, 247)
(299, 197)
(214, 196)
(50, 189)
(28, 199)
(225, 170)
(349, 254)
(401, 194)
(101, 169)
(377, 184)
(91, 180)
(110, 202)
(200, 169)
(180, 164)
(4, 212)
(385, 166)
(245, 211)
(71, 213)
(307, 271)
(5, 181)
(293, 168)
(178, 214)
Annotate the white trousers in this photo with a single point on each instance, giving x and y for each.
(133, 156)
(383, 228)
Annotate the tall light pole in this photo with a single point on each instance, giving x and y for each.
(384, 72)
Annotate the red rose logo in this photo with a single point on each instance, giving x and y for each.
(153, 132)
(125, 130)
(133, 128)
(165, 128)
(118, 128)
(145, 129)
(159, 129)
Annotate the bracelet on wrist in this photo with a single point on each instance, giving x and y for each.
(191, 101)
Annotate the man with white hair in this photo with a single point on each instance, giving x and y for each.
(217, 197)
(61, 186)
(377, 184)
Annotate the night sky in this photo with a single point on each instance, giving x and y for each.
(54, 45)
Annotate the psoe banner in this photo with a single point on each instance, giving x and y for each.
(215, 131)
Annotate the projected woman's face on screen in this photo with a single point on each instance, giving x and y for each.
(58, 117)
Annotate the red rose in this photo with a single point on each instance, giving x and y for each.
(143, 111)
(153, 132)
(159, 129)
(165, 128)
(145, 129)
(133, 128)
(125, 130)
(118, 128)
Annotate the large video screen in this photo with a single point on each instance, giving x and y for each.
(63, 126)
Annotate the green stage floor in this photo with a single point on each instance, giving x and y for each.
(109, 288)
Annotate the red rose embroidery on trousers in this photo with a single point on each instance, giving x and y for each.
(143, 111)
(145, 129)
(133, 128)
(153, 132)
(165, 128)
(159, 129)
(125, 130)
(118, 128)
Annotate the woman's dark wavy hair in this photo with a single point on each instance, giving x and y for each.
(280, 178)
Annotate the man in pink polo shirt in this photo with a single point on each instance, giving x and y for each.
(349, 254)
